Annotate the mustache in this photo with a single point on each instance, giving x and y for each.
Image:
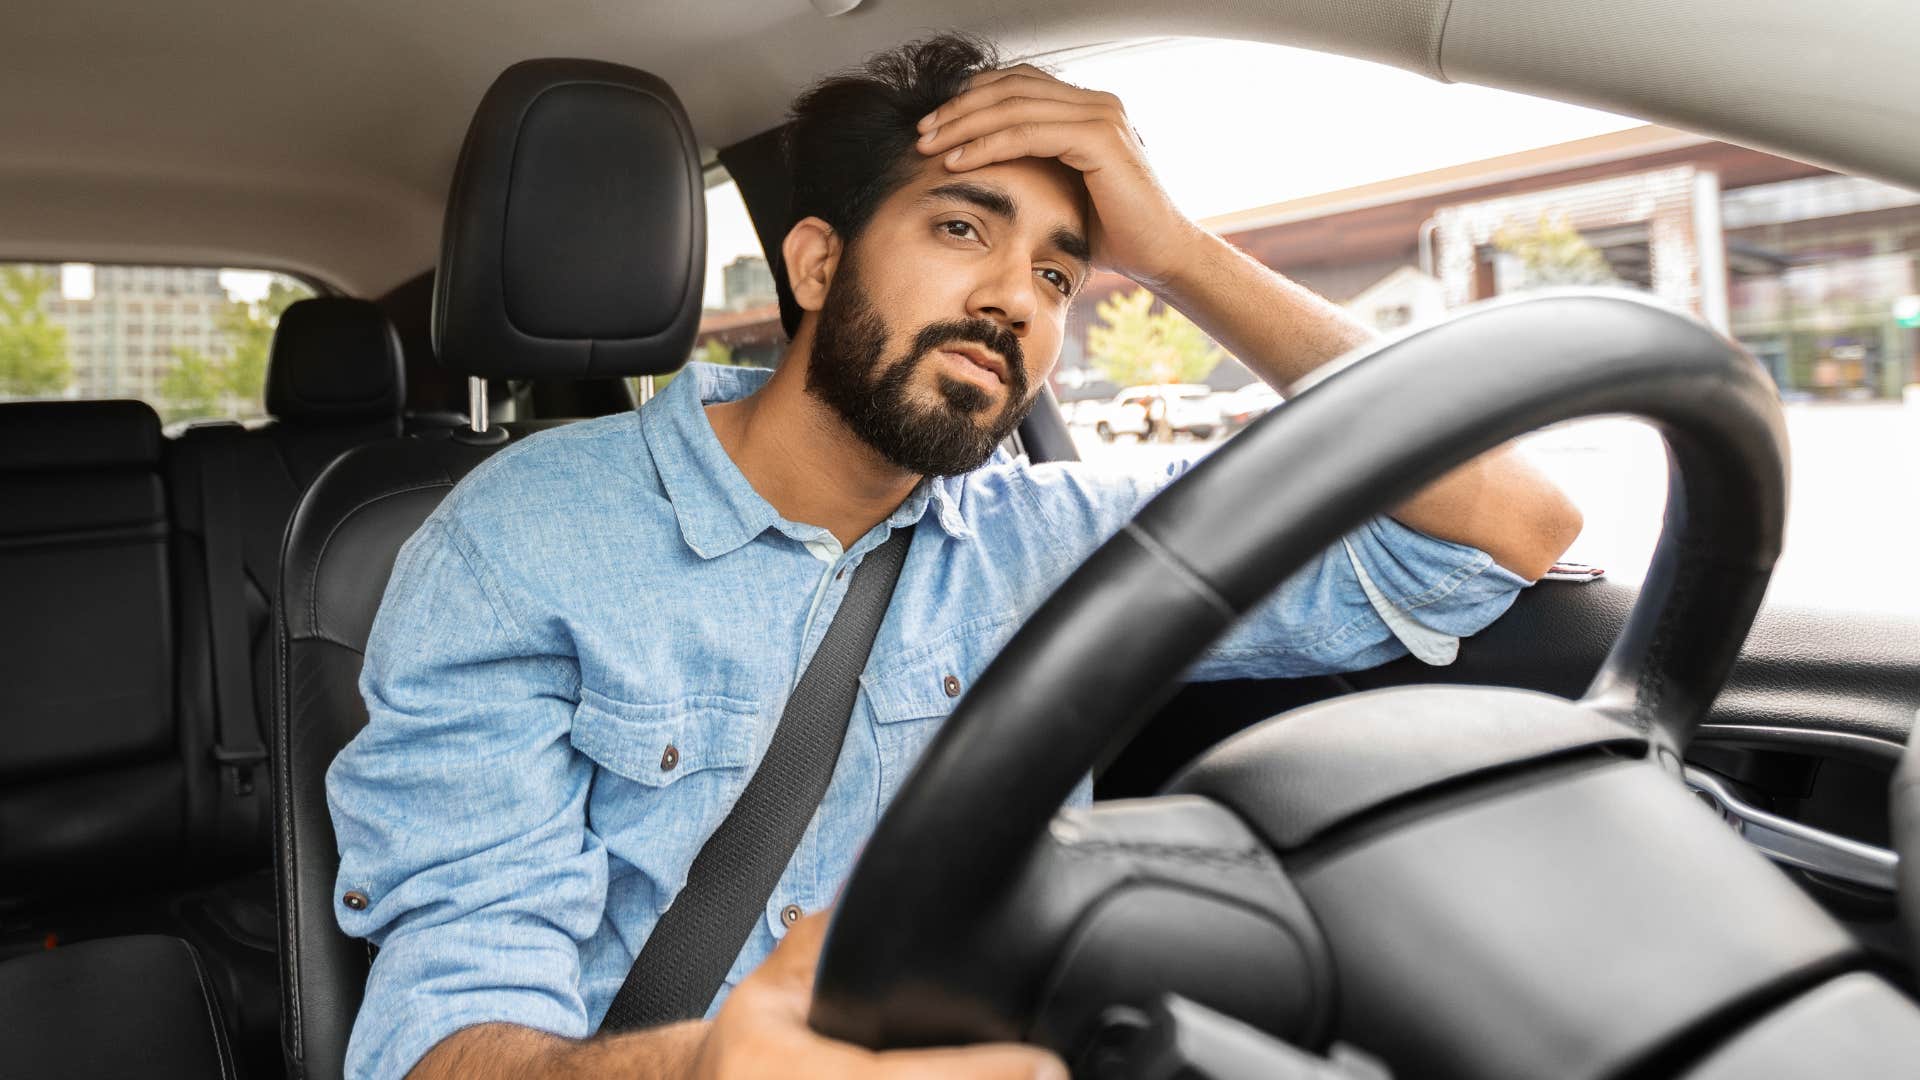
(988, 335)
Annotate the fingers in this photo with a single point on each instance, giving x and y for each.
(984, 91)
(1028, 70)
(762, 1031)
(988, 1061)
(1078, 144)
(797, 956)
(1010, 112)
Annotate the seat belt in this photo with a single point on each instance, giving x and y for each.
(686, 957)
(236, 744)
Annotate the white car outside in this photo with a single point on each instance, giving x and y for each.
(1187, 407)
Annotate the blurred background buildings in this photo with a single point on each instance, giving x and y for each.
(1815, 273)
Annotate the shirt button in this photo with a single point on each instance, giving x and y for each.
(790, 914)
(841, 574)
(669, 758)
(355, 899)
(951, 685)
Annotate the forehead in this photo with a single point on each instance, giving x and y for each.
(1045, 192)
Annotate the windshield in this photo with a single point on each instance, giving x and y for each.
(1406, 200)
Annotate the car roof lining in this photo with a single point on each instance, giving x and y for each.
(144, 133)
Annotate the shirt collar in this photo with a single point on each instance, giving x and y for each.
(717, 509)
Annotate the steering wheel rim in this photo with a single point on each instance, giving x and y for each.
(1218, 540)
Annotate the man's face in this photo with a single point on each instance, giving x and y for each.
(944, 319)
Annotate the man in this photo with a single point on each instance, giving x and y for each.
(584, 651)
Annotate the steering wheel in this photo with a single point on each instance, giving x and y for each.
(1469, 881)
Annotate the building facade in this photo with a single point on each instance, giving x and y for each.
(1817, 274)
(123, 324)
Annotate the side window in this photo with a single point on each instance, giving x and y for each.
(1457, 194)
(190, 341)
(740, 317)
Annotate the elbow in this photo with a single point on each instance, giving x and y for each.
(1550, 534)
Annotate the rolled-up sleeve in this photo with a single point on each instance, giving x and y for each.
(459, 813)
(1385, 589)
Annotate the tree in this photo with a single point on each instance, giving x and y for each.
(1133, 344)
(1553, 252)
(192, 388)
(33, 351)
(199, 383)
(248, 329)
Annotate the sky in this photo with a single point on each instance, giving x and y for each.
(76, 283)
(1231, 125)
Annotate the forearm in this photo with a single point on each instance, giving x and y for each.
(1277, 327)
(487, 1051)
(1497, 502)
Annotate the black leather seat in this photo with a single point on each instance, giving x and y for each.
(91, 768)
(334, 381)
(129, 1006)
(574, 248)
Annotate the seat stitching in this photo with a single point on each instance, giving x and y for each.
(288, 877)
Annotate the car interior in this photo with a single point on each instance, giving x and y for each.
(1519, 864)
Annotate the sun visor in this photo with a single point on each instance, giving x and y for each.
(575, 237)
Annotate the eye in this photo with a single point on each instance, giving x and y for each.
(948, 226)
(1060, 280)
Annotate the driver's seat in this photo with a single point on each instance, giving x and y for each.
(574, 247)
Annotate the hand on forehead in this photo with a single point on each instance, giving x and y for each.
(1013, 112)
(1021, 111)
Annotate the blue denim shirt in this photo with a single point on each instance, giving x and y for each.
(597, 593)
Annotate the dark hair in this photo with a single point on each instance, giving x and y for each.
(849, 137)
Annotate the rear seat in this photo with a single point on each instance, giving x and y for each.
(115, 817)
(92, 756)
(333, 383)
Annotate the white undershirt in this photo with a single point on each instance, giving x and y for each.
(1430, 645)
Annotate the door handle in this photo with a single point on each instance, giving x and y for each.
(1786, 841)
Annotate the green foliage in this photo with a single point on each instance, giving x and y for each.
(192, 388)
(1552, 252)
(248, 329)
(199, 382)
(33, 351)
(1133, 344)
(714, 351)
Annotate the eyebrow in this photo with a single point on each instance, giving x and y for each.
(1000, 204)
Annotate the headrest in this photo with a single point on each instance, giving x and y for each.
(334, 360)
(576, 236)
(46, 435)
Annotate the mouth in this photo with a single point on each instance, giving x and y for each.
(980, 358)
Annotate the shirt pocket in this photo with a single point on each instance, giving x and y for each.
(666, 773)
(912, 694)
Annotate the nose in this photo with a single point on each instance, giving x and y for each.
(1005, 295)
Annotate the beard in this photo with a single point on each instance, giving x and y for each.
(848, 370)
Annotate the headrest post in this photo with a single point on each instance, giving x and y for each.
(646, 389)
(477, 403)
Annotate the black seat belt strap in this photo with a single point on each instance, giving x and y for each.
(237, 745)
(686, 957)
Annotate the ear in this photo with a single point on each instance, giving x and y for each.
(812, 253)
